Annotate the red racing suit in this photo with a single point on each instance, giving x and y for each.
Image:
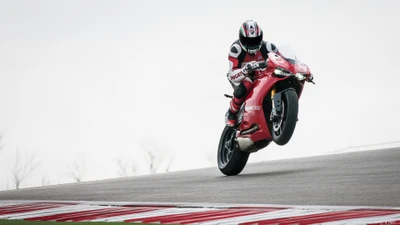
(238, 58)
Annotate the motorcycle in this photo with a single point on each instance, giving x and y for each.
(269, 112)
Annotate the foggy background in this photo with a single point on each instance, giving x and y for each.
(89, 86)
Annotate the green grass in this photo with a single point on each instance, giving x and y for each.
(22, 222)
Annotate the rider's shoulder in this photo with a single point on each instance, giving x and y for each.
(235, 49)
(271, 47)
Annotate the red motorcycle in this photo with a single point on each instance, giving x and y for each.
(269, 112)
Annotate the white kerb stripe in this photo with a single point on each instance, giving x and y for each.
(8, 204)
(366, 220)
(161, 212)
(50, 212)
(264, 216)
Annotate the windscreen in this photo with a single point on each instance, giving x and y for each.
(288, 53)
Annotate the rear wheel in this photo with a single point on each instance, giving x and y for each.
(231, 160)
(282, 129)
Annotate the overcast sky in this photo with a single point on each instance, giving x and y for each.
(90, 80)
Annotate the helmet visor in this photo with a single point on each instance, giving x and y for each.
(252, 43)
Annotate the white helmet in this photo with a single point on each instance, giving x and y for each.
(250, 36)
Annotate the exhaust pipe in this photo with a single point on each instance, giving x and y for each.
(245, 144)
(250, 131)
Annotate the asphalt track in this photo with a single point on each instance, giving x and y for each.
(369, 178)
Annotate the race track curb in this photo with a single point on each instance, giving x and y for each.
(190, 213)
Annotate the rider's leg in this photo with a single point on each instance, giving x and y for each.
(239, 95)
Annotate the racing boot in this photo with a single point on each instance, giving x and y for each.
(230, 119)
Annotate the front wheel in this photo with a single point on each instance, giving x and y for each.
(282, 129)
(231, 160)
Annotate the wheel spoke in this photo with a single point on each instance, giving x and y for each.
(279, 125)
(229, 146)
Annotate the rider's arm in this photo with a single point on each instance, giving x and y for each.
(235, 73)
(271, 47)
(268, 47)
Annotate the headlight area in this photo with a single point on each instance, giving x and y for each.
(300, 76)
(279, 72)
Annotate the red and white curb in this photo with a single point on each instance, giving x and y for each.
(186, 213)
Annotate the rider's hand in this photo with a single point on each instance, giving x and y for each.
(249, 67)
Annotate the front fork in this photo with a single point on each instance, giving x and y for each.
(276, 99)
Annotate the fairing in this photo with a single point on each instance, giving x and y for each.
(253, 106)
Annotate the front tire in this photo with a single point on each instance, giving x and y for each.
(283, 129)
(231, 160)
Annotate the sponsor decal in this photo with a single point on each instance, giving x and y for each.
(233, 77)
(252, 108)
(252, 30)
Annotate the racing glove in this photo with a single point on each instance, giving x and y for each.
(249, 67)
(240, 74)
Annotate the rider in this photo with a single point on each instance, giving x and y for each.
(243, 57)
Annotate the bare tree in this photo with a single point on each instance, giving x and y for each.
(24, 165)
(155, 156)
(170, 161)
(77, 170)
(126, 168)
(154, 160)
(45, 180)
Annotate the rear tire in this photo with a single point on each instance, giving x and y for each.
(290, 109)
(231, 160)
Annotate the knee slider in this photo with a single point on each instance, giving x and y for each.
(240, 91)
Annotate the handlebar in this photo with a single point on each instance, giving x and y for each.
(262, 64)
(311, 78)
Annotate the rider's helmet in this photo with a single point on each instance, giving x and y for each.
(250, 36)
